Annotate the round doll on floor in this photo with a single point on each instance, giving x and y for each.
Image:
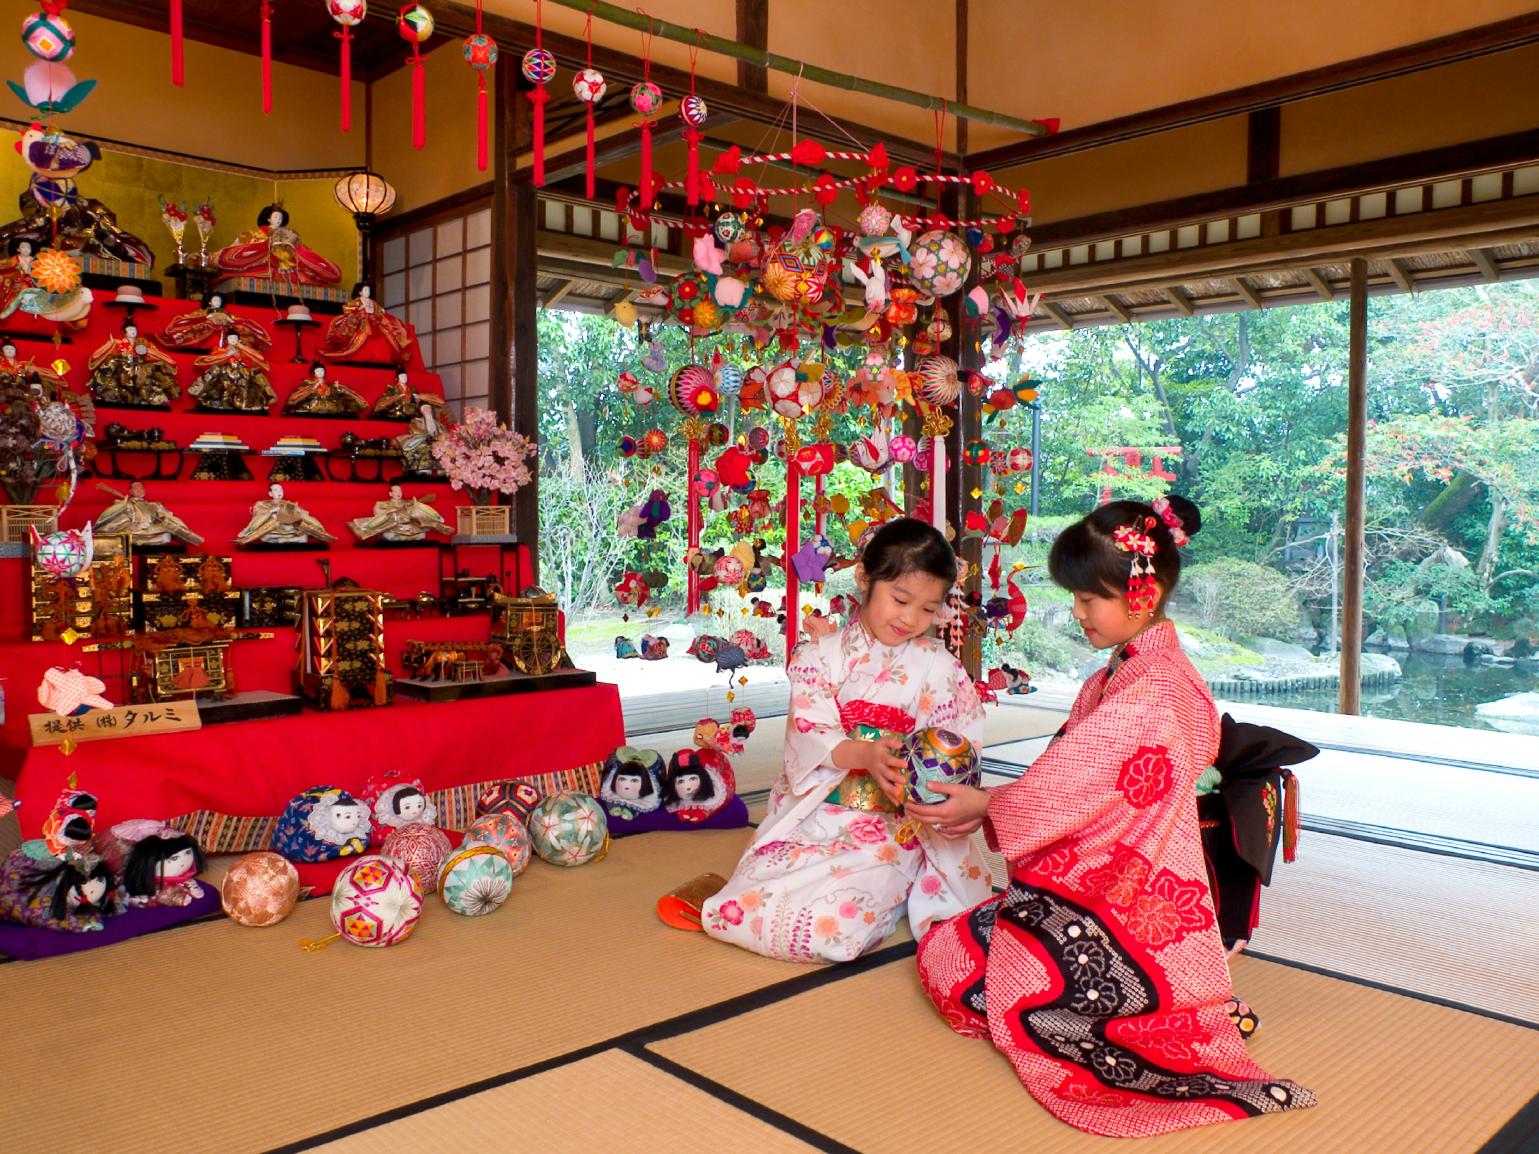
(402, 804)
(162, 864)
(632, 782)
(72, 895)
(694, 786)
(321, 824)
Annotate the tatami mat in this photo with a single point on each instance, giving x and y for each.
(611, 1101)
(274, 1044)
(869, 1064)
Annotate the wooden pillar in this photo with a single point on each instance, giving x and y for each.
(1357, 446)
(752, 30)
(514, 370)
(963, 347)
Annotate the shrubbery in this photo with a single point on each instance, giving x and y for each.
(1240, 598)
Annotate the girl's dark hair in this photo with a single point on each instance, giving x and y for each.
(633, 769)
(687, 761)
(144, 860)
(67, 877)
(401, 795)
(1085, 557)
(906, 545)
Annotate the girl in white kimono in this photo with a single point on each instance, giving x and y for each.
(833, 866)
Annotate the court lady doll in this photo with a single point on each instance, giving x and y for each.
(162, 864)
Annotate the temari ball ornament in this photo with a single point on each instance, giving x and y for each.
(261, 889)
(939, 382)
(502, 831)
(415, 25)
(940, 754)
(903, 449)
(476, 880)
(569, 829)
(692, 111)
(539, 66)
(589, 86)
(793, 279)
(48, 37)
(516, 797)
(692, 390)
(376, 902)
(939, 263)
(347, 12)
(646, 97)
(421, 848)
(729, 380)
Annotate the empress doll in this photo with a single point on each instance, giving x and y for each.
(362, 319)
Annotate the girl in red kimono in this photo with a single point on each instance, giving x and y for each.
(1099, 972)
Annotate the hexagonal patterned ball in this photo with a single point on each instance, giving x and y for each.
(376, 902)
(505, 832)
(569, 829)
(421, 848)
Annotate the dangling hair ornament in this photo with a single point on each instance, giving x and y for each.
(1143, 595)
(1161, 505)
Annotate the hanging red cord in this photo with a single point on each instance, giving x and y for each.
(267, 56)
(176, 43)
(646, 98)
(415, 25)
(539, 69)
(692, 111)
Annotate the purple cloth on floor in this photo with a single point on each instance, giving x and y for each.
(25, 943)
(733, 815)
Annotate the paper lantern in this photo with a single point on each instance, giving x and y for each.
(646, 98)
(939, 382)
(476, 880)
(376, 902)
(939, 263)
(943, 755)
(569, 829)
(516, 797)
(589, 86)
(261, 889)
(539, 66)
(692, 390)
(421, 848)
(504, 832)
(48, 36)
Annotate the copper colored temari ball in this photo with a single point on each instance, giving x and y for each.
(516, 797)
(502, 831)
(421, 848)
(260, 890)
(569, 829)
(376, 902)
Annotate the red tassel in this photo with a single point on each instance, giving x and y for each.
(646, 165)
(692, 177)
(347, 79)
(418, 103)
(267, 56)
(1290, 816)
(590, 150)
(537, 97)
(176, 43)
(481, 122)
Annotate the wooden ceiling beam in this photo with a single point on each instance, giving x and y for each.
(1399, 274)
(1183, 303)
(1321, 286)
(1116, 309)
(1065, 321)
(557, 294)
(1483, 260)
(1464, 45)
(1247, 292)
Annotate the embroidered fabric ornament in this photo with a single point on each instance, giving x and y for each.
(646, 99)
(693, 111)
(347, 13)
(48, 36)
(729, 380)
(70, 825)
(395, 803)
(480, 54)
(569, 829)
(415, 25)
(939, 263)
(692, 390)
(261, 889)
(375, 903)
(65, 690)
(321, 824)
(939, 380)
(1142, 592)
(476, 880)
(504, 832)
(539, 68)
(421, 849)
(939, 754)
(515, 797)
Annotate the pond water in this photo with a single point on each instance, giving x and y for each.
(1436, 690)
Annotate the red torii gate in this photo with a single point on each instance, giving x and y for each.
(1133, 457)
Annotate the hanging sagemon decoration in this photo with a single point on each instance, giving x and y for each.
(347, 13)
(646, 99)
(692, 111)
(49, 36)
(480, 54)
(539, 68)
(415, 24)
(589, 87)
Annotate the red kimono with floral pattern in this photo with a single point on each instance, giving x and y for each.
(1099, 972)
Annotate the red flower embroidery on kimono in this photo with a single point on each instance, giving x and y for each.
(1079, 1089)
(1169, 910)
(1120, 882)
(1054, 866)
(1169, 1036)
(1146, 776)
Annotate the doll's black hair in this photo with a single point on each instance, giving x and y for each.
(633, 769)
(404, 792)
(319, 365)
(76, 828)
(1085, 557)
(358, 287)
(67, 877)
(687, 761)
(268, 210)
(146, 856)
(907, 545)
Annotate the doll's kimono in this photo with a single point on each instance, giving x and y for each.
(1100, 972)
(833, 866)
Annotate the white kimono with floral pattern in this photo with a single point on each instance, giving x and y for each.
(822, 882)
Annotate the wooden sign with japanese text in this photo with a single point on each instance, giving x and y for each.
(121, 721)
